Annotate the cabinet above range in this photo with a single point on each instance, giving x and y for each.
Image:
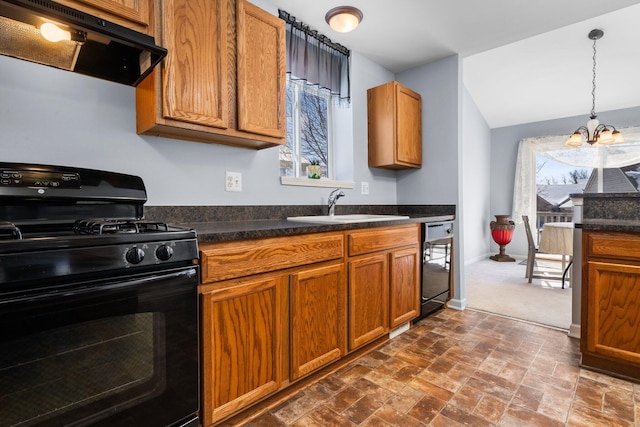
(223, 80)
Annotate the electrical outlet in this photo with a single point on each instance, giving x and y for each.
(233, 181)
(365, 188)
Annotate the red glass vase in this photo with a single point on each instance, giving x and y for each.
(502, 232)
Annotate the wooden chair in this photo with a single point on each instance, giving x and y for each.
(531, 255)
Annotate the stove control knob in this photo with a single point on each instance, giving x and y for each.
(164, 252)
(135, 255)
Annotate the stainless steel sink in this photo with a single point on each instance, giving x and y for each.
(345, 219)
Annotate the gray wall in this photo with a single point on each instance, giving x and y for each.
(57, 117)
(476, 181)
(504, 150)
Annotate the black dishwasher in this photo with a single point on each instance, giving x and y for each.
(437, 245)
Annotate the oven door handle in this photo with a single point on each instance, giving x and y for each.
(189, 273)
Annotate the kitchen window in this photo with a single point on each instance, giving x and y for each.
(317, 87)
(309, 132)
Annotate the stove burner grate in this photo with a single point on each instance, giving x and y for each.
(106, 226)
(9, 231)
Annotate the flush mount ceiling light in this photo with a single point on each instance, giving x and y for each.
(343, 18)
(595, 133)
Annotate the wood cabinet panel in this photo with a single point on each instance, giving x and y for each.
(219, 82)
(374, 240)
(404, 285)
(133, 14)
(613, 325)
(261, 52)
(318, 318)
(409, 127)
(194, 76)
(242, 345)
(614, 245)
(394, 127)
(222, 261)
(368, 299)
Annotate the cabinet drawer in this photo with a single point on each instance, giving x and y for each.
(380, 239)
(613, 245)
(221, 261)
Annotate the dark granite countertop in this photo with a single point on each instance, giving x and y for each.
(237, 230)
(226, 223)
(611, 212)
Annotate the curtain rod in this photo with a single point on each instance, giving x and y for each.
(313, 33)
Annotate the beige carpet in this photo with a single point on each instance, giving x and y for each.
(501, 288)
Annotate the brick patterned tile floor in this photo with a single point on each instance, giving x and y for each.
(465, 368)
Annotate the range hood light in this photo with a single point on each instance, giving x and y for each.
(82, 43)
(53, 33)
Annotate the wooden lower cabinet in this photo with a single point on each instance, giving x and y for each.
(384, 281)
(404, 285)
(610, 340)
(275, 310)
(241, 344)
(368, 299)
(318, 318)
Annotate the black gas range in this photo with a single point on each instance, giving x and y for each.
(98, 307)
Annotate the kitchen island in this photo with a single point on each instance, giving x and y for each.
(610, 332)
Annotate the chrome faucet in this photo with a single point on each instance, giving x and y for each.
(333, 198)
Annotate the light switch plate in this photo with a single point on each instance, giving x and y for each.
(365, 188)
(233, 181)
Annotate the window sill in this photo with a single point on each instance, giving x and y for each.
(322, 182)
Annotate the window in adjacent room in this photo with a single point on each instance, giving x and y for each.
(317, 86)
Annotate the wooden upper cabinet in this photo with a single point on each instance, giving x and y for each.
(195, 76)
(223, 80)
(394, 127)
(261, 71)
(133, 14)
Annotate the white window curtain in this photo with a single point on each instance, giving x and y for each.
(553, 147)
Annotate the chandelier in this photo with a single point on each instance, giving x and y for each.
(594, 132)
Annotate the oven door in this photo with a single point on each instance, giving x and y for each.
(117, 352)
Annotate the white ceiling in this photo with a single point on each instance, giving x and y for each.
(523, 60)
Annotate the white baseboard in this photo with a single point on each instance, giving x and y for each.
(574, 331)
(457, 304)
(399, 330)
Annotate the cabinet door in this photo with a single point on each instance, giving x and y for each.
(242, 345)
(394, 127)
(368, 299)
(318, 318)
(261, 71)
(404, 285)
(613, 304)
(133, 14)
(195, 70)
(409, 127)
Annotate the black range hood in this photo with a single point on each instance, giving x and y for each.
(90, 45)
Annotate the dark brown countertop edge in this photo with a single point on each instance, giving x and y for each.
(226, 223)
(627, 226)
